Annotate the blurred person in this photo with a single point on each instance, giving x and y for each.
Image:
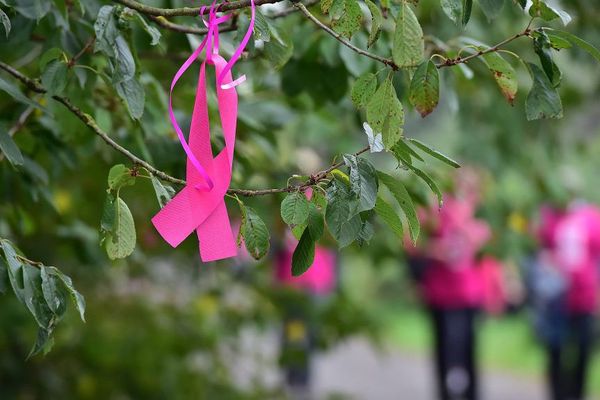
(452, 285)
(564, 282)
(297, 337)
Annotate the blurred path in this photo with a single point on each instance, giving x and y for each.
(356, 369)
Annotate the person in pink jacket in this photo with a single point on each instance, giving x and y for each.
(452, 286)
(566, 285)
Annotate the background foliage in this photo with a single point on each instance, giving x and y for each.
(71, 200)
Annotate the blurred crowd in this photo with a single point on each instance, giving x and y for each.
(459, 278)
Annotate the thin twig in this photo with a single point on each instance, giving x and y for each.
(459, 60)
(189, 11)
(165, 23)
(88, 45)
(291, 10)
(91, 123)
(339, 37)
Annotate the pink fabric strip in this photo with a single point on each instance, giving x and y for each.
(200, 205)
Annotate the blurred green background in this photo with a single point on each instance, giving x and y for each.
(161, 325)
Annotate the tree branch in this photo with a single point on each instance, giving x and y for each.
(339, 37)
(165, 23)
(389, 62)
(459, 60)
(91, 123)
(189, 11)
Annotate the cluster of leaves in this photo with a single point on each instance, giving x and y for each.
(117, 226)
(44, 290)
(346, 203)
(112, 28)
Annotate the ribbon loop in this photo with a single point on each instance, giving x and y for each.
(200, 205)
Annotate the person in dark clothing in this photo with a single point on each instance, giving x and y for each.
(452, 286)
(564, 284)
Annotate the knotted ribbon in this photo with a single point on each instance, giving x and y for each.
(200, 206)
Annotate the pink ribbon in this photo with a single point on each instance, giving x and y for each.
(200, 206)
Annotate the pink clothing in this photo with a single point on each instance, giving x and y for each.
(574, 242)
(320, 279)
(494, 296)
(452, 287)
(451, 278)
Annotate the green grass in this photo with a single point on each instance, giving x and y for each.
(505, 344)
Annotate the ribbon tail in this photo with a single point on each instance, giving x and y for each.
(216, 237)
(176, 220)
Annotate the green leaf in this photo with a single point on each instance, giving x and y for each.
(342, 224)
(316, 224)
(164, 193)
(255, 233)
(403, 198)
(376, 21)
(424, 92)
(15, 270)
(76, 298)
(3, 274)
(150, 30)
(107, 221)
(123, 59)
(262, 29)
(429, 181)
(542, 10)
(51, 288)
(55, 77)
(504, 74)
(385, 113)
(304, 254)
(9, 148)
(386, 212)
(459, 11)
(408, 47)
(43, 342)
(294, 209)
(34, 298)
(543, 100)
(280, 48)
(434, 153)
(106, 30)
(33, 9)
(132, 92)
(349, 20)
(363, 181)
(326, 6)
(49, 55)
(491, 8)
(366, 233)
(404, 153)
(543, 48)
(119, 241)
(363, 89)
(577, 41)
(16, 94)
(5, 22)
(119, 176)
(558, 42)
